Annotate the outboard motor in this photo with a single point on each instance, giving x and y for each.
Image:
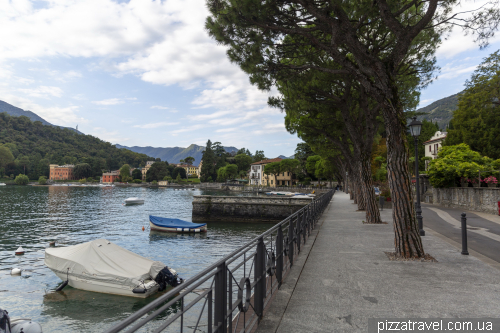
(166, 277)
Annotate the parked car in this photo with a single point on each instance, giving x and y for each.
(377, 190)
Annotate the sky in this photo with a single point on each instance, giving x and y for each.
(146, 73)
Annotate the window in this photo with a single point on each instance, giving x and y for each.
(271, 182)
(430, 148)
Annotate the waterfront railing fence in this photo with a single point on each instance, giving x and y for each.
(231, 295)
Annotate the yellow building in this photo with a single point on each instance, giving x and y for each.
(146, 168)
(190, 169)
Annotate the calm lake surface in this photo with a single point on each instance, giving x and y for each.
(32, 217)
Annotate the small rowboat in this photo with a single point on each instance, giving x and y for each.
(175, 225)
(134, 201)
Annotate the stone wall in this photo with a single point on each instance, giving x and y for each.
(479, 199)
(258, 209)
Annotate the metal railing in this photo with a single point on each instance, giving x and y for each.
(230, 296)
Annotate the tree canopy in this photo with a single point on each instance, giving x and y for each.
(476, 122)
(157, 171)
(82, 170)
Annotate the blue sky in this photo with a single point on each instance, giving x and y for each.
(145, 73)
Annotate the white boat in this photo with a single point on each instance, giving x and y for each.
(105, 267)
(281, 193)
(134, 201)
(2, 184)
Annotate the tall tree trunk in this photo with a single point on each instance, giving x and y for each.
(359, 188)
(407, 239)
(372, 212)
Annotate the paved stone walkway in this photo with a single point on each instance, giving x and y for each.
(345, 278)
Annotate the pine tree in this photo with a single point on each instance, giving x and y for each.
(208, 166)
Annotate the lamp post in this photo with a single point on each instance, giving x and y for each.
(415, 128)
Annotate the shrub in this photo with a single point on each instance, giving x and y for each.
(42, 180)
(83, 180)
(137, 181)
(154, 182)
(22, 179)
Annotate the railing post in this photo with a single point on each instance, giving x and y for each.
(299, 233)
(305, 228)
(290, 242)
(464, 235)
(220, 311)
(260, 278)
(279, 255)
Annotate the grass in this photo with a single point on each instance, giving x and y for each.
(190, 181)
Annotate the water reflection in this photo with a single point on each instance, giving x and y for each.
(35, 216)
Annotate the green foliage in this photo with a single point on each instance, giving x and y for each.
(228, 172)
(82, 170)
(189, 160)
(476, 122)
(42, 180)
(178, 171)
(6, 156)
(44, 145)
(455, 162)
(157, 171)
(273, 168)
(154, 182)
(290, 165)
(83, 180)
(243, 162)
(311, 164)
(208, 160)
(178, 178)
(137, 181)
(22, 180)
(258, 156)
(90, 180)
(125, 173)
(137, 174)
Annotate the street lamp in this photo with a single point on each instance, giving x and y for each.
(415, 127)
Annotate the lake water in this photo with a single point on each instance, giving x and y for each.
(34, 216)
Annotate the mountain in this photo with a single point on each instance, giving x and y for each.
(174, 154)
(14, 111)
(285, 158)
(35, 146)
(440, 111)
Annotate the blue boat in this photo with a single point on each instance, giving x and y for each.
(175, 225)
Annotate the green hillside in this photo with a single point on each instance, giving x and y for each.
(174, 154)
(18, 112)
(35, 146)
(440, 111)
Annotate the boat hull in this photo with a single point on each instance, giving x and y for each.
(135, 202)
(106, 288)
(177, 230)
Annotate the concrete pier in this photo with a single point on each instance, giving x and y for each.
(255, 209)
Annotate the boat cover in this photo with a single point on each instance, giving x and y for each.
(104, 261)
(174, 223)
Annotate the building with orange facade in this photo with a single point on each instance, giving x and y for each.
(61, 172)
(110, 177)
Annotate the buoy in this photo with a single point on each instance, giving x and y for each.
(15, 271)
(143, 228)
(52, 243)
(20, 250)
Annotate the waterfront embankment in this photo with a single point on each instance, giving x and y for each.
(344, 277)
(251, 208)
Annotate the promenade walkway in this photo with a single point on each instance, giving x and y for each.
(343, 277)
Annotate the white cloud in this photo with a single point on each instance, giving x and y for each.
(156, 125)
(450, 72)
(56, 115)
(159, 107)
(110, 101)
(43, 92)
(110, 136)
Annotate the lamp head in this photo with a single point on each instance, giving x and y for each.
(415, 127)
